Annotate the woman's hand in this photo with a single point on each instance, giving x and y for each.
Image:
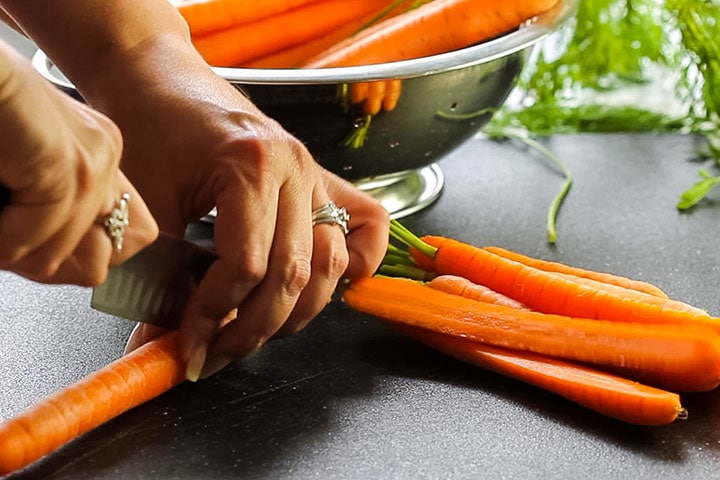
(59, 166)
(193, 142)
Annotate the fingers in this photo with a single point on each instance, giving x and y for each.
(262, 266)
(140, 335)
(60, 164)
(369, 226)
(73, 257)
(142, 229)
(303, 267)
(88, 264)
(329, 262)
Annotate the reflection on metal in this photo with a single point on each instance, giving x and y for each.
(404, 193)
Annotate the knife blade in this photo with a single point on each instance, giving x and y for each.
(154, 285)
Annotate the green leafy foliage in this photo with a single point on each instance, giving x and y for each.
(615, 46)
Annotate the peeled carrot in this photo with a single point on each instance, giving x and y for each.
(241, 44)
(465, 288)
(125, 383)
(552, 293)
(675, 356)
(602, 392)
(207, 16)
(562, 268)
(628, 292)
(436, 27)
(295, 56)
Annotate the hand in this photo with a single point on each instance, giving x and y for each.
(194, 142)
(60, 165)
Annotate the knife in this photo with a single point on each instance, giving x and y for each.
(154, 285)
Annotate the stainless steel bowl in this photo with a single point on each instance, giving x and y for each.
(398, 162)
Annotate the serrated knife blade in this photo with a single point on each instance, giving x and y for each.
(154, 285)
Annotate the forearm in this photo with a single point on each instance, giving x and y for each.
(86, 38)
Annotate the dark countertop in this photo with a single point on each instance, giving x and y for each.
(348, 398)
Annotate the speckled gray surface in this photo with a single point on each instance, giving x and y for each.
(349, 399)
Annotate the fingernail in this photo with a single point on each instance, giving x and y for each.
(214, 365)
(196, 362)
(132, 341)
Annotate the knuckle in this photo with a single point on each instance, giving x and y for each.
(41, 271)
(249, 268)
(296, 275)
(335, 263)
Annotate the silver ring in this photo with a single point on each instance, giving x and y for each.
(331, 214)
(117, 221)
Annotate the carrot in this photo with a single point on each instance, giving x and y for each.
(552, 293)
(602, 392)
(675, 356)
(465, 288)
(436, 27)
(295, 56)
(207, 16)
(376, 96)
(562, 268)
(393, 89)
(243, 43)
(125, 383)
(627, 292)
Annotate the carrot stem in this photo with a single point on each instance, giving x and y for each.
(405, 271)
(552, 213)
(356, 138)
(399, 232)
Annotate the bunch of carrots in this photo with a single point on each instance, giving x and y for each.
(620, 347)
(614, 345)
(338, 33)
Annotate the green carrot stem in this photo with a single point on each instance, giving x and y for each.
(525, 138)
(392, 259)
(395, 250)
(564, 189)
(405, 271)
(402, 234)
(356, 138)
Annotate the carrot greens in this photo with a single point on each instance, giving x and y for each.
(627, 66)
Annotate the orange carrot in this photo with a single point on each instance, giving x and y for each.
(602, 392)
(552, 293)
(376, 96)
(562, 268)
(436, 27)
(627, 292)
(465, 288)
(296, 55)
(125, 383)
(390, 99)
(675, 356)
(207, 16)
(244, 43)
